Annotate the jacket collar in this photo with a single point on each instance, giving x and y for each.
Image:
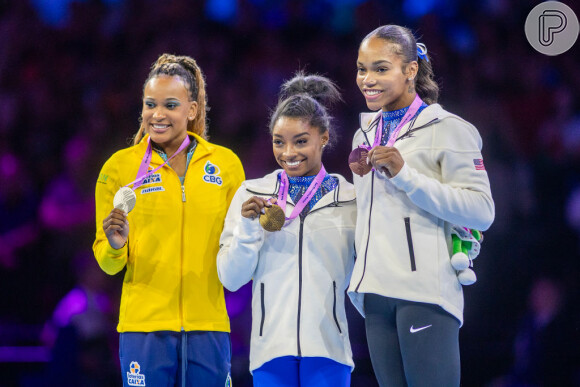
(203, 149)
(369, 121)
(269, 186)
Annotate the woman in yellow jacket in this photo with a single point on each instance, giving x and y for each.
(173, 323)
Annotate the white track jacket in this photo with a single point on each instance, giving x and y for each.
(299, 274)
(403, 239)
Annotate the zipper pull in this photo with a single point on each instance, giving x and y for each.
(183, 193)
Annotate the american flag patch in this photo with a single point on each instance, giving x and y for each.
(479, 164)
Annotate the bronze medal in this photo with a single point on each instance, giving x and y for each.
(357, 161)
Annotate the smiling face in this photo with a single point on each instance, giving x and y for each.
(166, 110)
(381, 76)
(298, 146)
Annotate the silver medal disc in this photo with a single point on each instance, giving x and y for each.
(125, 199)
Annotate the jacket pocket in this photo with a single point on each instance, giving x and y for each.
(263, 308)
(410, 243)
(334, 307)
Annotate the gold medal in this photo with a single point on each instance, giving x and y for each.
(273, 218)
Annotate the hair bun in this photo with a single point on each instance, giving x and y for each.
(320, 88)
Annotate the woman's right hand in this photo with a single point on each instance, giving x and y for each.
(116, 228)
(252, 207)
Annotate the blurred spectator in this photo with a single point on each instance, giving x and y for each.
(81, 331)
(67, 208)
(546, 348)
(18, 204)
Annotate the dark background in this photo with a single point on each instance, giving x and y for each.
(71, 78)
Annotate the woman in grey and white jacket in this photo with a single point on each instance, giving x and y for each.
(428, 175)
(299, 330)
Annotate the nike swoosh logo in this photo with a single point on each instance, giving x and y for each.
(415, 330)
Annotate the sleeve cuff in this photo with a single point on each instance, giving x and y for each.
(249, 229)
(116, 253)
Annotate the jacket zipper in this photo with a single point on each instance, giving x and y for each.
(181, 259)
(299, 350)
(334, 307)
(407, 224)
(410, 243)
(369, 233)
(299, 285)
(263, 307)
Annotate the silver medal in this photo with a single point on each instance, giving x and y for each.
(125, 199)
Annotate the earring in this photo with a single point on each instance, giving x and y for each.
(190, 118)
(410, 78)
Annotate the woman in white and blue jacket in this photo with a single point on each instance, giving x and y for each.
(428, 174)
(299, 330)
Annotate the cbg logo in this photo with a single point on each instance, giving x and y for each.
(551, 28)
(211, 172)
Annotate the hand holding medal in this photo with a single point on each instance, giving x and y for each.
(357, 160)
(273, 218)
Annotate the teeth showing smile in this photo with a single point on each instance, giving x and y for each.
(292, 163)
(372, 92)
(159, 126)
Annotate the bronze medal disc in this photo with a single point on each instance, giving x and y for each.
(357, 161)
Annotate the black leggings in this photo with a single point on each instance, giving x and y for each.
(412, 343)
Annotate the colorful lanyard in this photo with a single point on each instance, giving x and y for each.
(417, 102)
(310, 192)
(142, 174)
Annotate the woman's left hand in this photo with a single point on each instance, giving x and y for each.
(386, 159)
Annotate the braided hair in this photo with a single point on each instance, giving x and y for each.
(189, 72)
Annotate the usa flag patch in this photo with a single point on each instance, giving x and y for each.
(479, 164)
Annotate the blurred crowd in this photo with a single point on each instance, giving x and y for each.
(71, 80)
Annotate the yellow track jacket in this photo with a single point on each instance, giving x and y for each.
(171, 282)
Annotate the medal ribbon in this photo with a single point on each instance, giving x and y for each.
(142, 173)
(417, 102)
(283, 193)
